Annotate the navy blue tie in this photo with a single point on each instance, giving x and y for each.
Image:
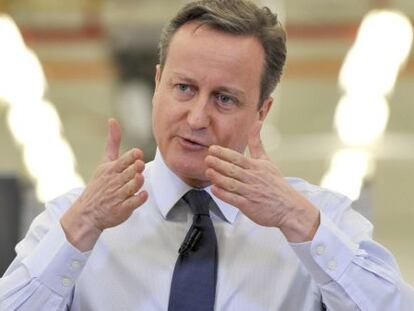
(193, 285)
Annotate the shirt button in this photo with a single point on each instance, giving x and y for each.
(320, 249)
(332, 265)
(66, 281)
(75, 264)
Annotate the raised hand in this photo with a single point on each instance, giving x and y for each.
(111, 195)
(256, 187)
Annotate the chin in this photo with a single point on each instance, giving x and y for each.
(190, 171)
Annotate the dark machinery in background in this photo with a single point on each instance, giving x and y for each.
(10, 215)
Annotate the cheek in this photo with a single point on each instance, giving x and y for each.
(166, 116)
(233, 133)
(158, 118)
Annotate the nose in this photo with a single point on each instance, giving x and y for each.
(199, 113)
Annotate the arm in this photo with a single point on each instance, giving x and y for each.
(56, 248)
(41, 276)
(352, 271)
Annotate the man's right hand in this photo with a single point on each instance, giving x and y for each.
(111, 195)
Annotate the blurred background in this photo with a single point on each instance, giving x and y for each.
(343, 114)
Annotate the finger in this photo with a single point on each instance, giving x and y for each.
(255, 144)
(113, 140)
(226, 183)
(134, 201)
(131, 187)
(227, 168)
(127, 159)
(229, 155)
(130, 171)
(229, 197)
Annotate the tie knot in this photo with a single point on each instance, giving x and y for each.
(198, 200)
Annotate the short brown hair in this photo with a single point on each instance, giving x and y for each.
(239, 17)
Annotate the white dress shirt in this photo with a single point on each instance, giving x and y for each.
(131, 265)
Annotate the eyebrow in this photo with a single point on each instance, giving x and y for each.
(183, 77)
(238, 93)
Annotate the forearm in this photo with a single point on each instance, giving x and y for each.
(360, 275)
(45, 277)
(46, 266)
(19, 291)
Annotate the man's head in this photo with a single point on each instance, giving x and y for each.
(238, 17)
(211, 85)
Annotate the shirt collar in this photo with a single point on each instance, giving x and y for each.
(168, 188)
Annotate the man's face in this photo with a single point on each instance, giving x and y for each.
(207, 94)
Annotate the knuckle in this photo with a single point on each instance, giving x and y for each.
(125, 176)
(232, 185)
(125, 204)
(125, 190)
(131, 188)
(130, 172)
(232, 170)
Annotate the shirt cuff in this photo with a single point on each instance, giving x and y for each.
(55, 262)
(329, 254)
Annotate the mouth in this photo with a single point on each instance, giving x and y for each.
(187, 142)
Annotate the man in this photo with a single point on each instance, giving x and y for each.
(278, 244)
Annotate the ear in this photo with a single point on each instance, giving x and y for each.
(157, 75)
(265, 108)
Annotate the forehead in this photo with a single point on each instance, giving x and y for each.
(208, 53)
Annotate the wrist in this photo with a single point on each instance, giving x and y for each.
(79, 231)
(302, 222)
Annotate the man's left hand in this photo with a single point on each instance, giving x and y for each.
(255, 186)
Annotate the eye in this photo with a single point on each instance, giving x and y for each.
(183, 87)
(225, 100)
(184, 91)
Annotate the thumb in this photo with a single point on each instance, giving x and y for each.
(113, 140)
(255, 144)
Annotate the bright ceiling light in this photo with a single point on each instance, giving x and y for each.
(367, 77)
(33, 121)
(361, 120)
(348, 169)
(382, 45)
